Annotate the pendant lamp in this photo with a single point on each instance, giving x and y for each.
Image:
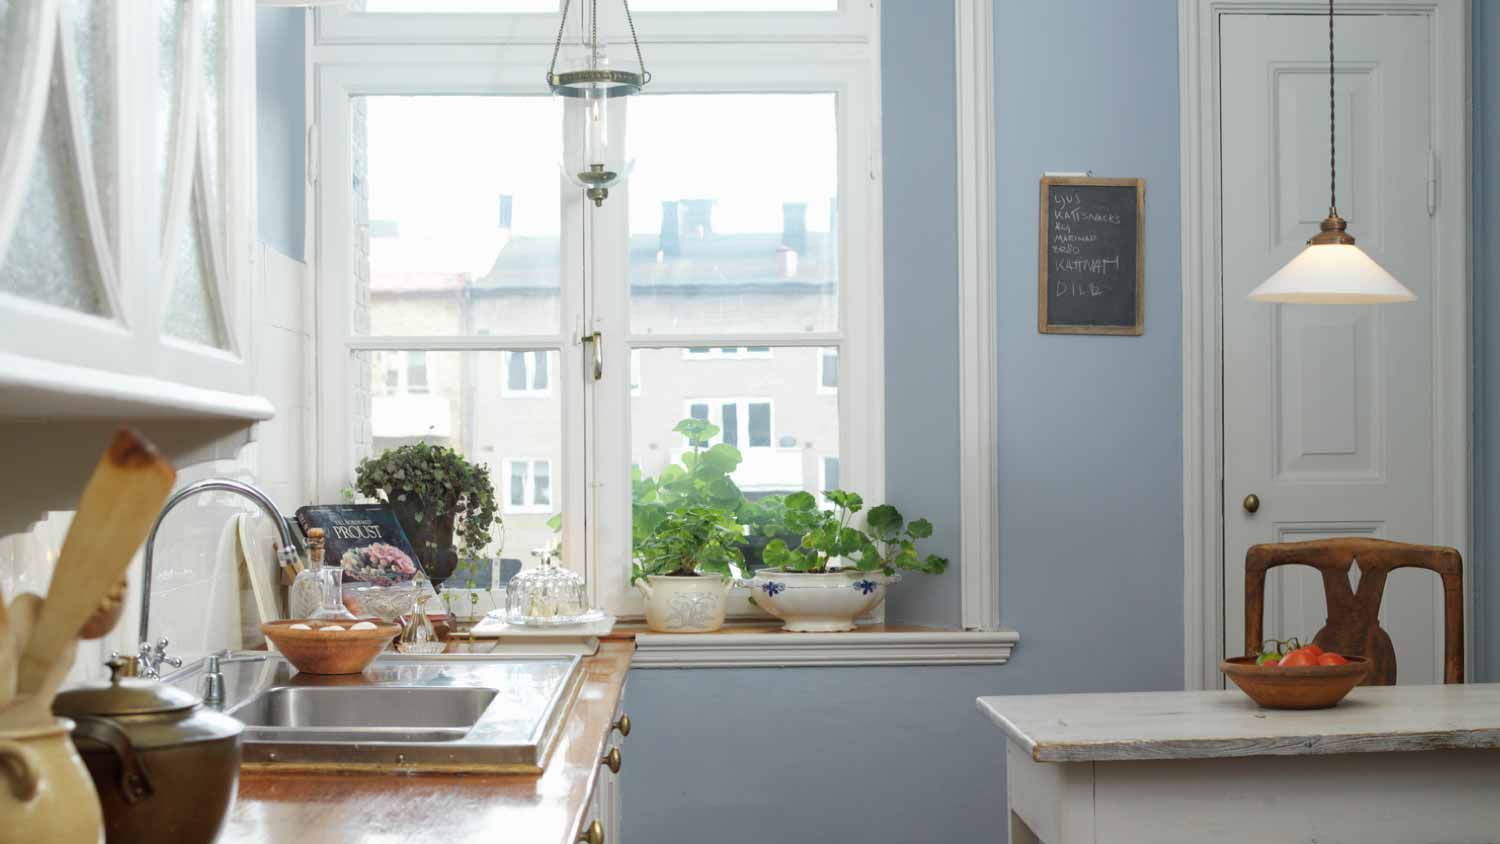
(1332, 269)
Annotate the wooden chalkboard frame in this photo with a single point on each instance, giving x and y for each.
(1044, 236)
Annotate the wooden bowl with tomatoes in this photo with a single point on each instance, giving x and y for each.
(1303, 678)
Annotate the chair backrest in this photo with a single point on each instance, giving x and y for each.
(1353, 624)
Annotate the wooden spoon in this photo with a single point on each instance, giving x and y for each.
(128, 487)
(8, 656)
(25, 711)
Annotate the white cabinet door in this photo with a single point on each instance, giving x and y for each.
(1328, 409)
(126, 167)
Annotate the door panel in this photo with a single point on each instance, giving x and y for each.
(1328, 413)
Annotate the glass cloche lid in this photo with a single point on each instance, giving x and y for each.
(546, 594)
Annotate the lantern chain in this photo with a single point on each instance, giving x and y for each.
(562, 26)
(645, 74)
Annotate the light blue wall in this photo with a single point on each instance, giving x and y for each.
(280, 133)
(1486, 310)
(1091, 535)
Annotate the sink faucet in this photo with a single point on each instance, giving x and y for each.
(151, 657)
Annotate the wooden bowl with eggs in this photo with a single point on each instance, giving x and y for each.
(330, 647)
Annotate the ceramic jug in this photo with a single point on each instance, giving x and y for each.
(45, 791)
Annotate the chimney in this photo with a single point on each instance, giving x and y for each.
(671, 236)
(794, 226)
(698, 218)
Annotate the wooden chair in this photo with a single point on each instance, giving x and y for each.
(1353, 624)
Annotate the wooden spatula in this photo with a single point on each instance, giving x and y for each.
(128, 487)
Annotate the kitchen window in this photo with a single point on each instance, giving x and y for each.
(741, 255)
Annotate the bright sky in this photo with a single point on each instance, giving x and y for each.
(438, 165)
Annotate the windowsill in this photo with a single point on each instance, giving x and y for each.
(766, 646)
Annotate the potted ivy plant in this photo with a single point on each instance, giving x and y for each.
(436, 495)
(838, 571)
(686, 539)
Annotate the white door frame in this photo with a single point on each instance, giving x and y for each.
(1202, 343)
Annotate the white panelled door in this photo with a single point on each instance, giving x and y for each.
(1328, 409)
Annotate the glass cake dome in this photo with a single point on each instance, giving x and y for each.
(547, 594)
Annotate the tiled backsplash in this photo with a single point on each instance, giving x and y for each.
(196, 600)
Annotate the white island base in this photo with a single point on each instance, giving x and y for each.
(1388, 766)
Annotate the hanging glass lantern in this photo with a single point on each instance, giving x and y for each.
(593, 92)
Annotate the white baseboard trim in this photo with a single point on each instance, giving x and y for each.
(781, 650)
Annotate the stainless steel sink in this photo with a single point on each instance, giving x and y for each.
(364, 713)
(447, 713)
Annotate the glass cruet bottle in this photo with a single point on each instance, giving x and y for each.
(318, 591)
(419, 637)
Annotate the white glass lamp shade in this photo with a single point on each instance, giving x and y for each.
(1332, 274)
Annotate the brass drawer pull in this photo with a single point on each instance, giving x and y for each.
(611, 760)
(594, 834)
(622, 726)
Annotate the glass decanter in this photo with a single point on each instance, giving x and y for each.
(546, 594)
(331, 593)
(419, 637)
(318, 591)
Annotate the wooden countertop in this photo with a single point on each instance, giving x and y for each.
(447, 808)
(1219, 724)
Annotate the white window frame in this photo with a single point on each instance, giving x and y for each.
(729, 353)
(530, 391)
(528, 492)
(455, 54)
(854, 22)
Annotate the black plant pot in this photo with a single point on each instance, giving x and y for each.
(432, 538)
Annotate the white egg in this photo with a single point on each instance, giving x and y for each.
(298, 627)
(363, 625)
(332, 628)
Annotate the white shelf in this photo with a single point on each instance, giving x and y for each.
(33, 389)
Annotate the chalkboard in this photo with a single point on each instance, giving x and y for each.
(1090, 261)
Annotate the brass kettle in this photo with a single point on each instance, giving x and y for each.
(164, 766)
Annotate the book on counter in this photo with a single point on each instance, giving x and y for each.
(365, 540)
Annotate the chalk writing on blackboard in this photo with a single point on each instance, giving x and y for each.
(1090, 258)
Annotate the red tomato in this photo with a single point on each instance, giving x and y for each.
(1298, 659)
(1332, 659)
(1313, 649)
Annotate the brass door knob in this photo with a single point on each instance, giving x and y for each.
(622, 726)
(593, 834)
(611, 760)
(1251, 503)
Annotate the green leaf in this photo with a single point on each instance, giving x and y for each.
(801, 501)
(885, 521)
(920, 529)
(722, 458)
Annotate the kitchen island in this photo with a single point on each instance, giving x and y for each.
(554, 807)
(1393, 764)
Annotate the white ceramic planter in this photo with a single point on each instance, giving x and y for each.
(818, 603)
(684, 604)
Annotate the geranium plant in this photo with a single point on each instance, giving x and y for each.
(887, 544)
(684, 521)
